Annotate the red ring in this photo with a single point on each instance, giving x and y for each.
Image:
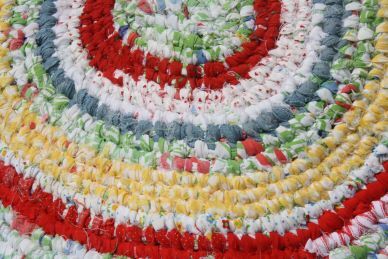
(108, 53)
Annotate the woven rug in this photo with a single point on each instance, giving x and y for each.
(193, 128)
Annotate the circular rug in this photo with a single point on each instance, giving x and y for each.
(193, 128)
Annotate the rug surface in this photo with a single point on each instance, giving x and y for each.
(194, 128)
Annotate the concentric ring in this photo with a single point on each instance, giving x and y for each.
(298, 175)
